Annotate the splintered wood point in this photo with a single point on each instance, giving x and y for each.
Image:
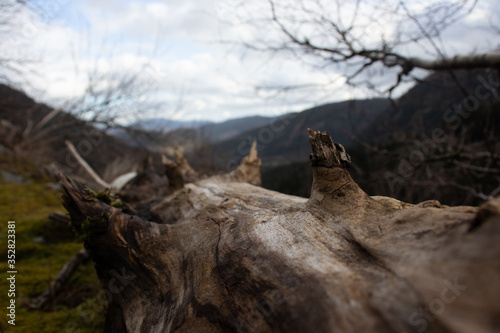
(253, 152)
(332, 187)
(325, 152)
(249, 169)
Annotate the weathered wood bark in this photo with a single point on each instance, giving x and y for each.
(238, 258)
(178, 172)
(174, 175)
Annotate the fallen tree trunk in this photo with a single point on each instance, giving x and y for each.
(234, 257)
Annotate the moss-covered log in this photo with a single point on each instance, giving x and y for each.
(233, 257)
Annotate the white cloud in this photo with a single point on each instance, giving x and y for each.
(171, 43)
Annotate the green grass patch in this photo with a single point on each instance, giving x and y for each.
(42, 248)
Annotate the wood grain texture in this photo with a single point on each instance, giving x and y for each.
(233, 257)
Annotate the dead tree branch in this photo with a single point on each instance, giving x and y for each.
(60, 280)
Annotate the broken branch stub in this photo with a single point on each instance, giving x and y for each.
(174, 175)
(333, 188)
(60, 280)
(325, 152)
(249, 169)
(238, 258)
(178, 172)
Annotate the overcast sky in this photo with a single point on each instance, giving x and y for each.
(177, 47)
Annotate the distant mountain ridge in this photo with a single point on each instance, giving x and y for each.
(212, 131)
(165, 125)
(218, 132)
(280, 140)
(283, 140)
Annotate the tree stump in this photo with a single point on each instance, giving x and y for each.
(233, 257)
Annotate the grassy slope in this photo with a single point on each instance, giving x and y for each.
(76, 309)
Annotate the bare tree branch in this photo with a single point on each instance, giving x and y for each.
(86, 166)
(60, 280)
(318, 30)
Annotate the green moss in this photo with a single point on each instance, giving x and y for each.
(90, 226)
(106, 196)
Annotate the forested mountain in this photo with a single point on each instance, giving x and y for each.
(40, 131)
(281, 140)
(437, 141)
